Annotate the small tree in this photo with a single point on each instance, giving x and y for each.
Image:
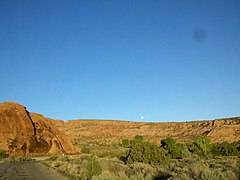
(201, 146)
(203, 143)
(172, 148)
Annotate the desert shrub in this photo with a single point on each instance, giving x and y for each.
(74, 170)
(197, 168)
(63, 158)
(93, 167)
(172, 148)
(184, 150)
(56, 163)
(113, 165)
(146, 152)
(225, 149)
(77, 161)
(203, 168)
(147, 170)
(201, 146)
(125, 143)
(111, 152)
(101, 153)
(105, 175)
(139, 138)
(84, 157)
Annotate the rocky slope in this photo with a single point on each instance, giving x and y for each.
(24, 133)
(105, 132)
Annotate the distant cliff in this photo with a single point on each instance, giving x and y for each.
(109, 131)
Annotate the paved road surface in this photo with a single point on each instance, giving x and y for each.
(28, 170)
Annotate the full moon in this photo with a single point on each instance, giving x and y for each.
(142, 117)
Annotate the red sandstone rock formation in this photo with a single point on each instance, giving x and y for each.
(105, 132)
(24, 133)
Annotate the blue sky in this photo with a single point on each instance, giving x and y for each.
(100, 59)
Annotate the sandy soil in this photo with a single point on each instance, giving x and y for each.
(28, 170)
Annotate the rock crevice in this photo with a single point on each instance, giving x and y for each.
(34, 127)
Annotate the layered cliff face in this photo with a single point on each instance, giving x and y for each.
(24, 133)
(105, 132)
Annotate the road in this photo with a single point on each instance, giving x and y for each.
(28, 170)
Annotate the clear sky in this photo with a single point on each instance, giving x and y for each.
(137, 60)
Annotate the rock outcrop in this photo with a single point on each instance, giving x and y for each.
(24, 133)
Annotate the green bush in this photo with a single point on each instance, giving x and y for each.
(139, 138)
(146, 152)
(125, 143)
(201, 146)
(172, 148)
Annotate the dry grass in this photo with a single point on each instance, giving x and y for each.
(113, 168)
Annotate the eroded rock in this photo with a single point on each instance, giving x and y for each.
(24, 133)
